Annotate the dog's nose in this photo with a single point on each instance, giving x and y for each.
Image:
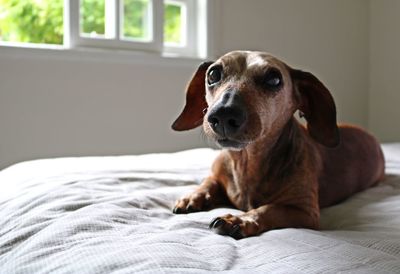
(226, 120)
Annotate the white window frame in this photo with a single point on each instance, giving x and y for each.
(195, 29)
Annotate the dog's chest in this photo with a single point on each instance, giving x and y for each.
(245, 192)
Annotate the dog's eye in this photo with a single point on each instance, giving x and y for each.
(214, 76)
(273, 79)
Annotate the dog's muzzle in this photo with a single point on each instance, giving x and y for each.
(227, 118)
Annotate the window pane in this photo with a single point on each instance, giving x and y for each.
(173, 23)
(137, 19)
(31, 21)
(92, 17)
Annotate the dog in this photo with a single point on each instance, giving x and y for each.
(279, 172)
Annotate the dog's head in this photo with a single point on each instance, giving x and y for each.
(245, 96)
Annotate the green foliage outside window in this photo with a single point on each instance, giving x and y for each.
(172, 23)
(92, 15)
(31, 21)
(135, 18)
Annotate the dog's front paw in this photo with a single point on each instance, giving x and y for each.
(194, 202)
(237, 227)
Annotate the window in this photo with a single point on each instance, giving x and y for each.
(163, 26)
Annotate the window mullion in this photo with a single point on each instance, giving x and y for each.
(119, 5)
(71, 23)
(158, 24)
(111, 17)
(191, 28)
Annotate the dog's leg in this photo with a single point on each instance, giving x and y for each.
(207, 196)
(264, 218)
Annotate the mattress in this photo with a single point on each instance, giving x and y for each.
(113, 215)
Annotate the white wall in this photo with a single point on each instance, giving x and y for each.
(384, 76)
(75, 104)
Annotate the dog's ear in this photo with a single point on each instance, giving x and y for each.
(318, 107)
(193, 112)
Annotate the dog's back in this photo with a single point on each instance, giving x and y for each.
(356, 164)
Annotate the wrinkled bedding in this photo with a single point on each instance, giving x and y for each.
(113, 215)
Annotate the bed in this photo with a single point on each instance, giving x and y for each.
(113, 215)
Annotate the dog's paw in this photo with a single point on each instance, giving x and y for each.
(237, 227)
(195, 202)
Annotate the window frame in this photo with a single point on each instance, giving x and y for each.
(192, 47)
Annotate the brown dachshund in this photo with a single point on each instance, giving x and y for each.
(272, 167)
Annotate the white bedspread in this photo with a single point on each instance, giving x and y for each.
(113, 215)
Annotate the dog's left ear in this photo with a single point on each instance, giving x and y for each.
(193, 112)
(318, 107)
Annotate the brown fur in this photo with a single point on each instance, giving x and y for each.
(284, 172)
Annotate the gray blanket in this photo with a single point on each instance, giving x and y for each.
(113, 215)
